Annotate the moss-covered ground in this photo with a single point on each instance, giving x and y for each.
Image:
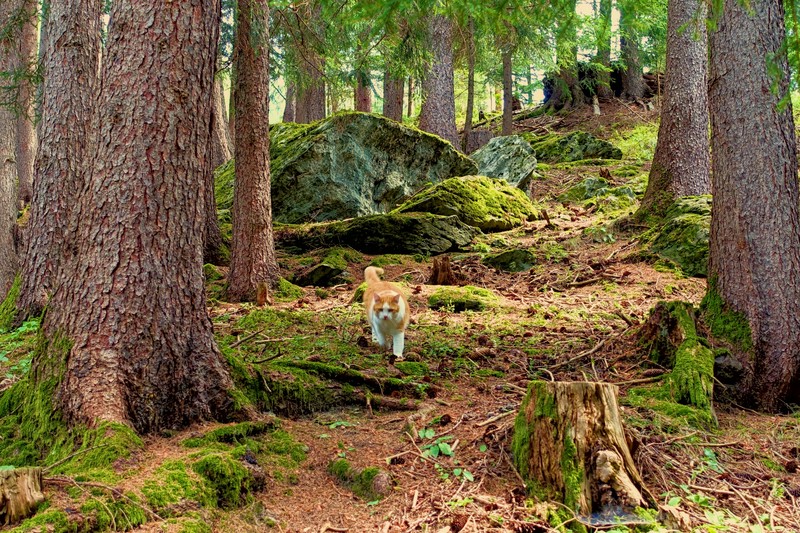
(440, 422)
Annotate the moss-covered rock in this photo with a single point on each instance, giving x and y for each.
(517, 260)
(682, 237)
(331, 270)
(369, 484)
(467, 298)
(508, 158)
(556, 148)
(211, 272)
(408, 233)
(227, 477)
(348, 165)
(479, 201)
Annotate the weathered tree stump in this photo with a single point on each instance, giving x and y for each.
(20, 493)
(442, 272)
(569, 445)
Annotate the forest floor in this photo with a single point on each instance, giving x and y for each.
(574, 316)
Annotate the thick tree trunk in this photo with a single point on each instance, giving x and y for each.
(289, 107)
(8, 171)
(569, 444)
(253, 264)
(438, 113)
(311, 87)
(604, 50)
(508, 93)
(682, 163)
(132, 304)
(363, 93)
(66, 143)
(44, 36)
(567, 92)
(221, 147)
(632, 81)
(393, 96)
(26, 131)
(470, 86)
(220, 153)
(754, 263)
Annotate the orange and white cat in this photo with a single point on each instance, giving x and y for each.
(387, 311)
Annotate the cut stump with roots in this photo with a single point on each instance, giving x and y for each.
(20, 493)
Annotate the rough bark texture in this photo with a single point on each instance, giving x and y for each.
(393, 96)
(70, 85)
(8, 171)
(44, 36)
(221, 146)
(311, 86)
(682, 163)
(604, 50)
(569, 444)
(20, 493)
(755, 230)
(289, 109)
(220, 153)
(508, 112)
(363, 93)
(442, 272)
(567, 92)
(132, 302)
(438, 113)
(253, 263)
(632, 81)
(26, 132)
(410, 109)
(470, 111)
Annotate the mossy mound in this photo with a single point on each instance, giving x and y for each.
(370, 484)
(397, 233)
(517, 260)
(479, 201)
(331, 270)
(599, 189)
(682, 237)
(508, 158)
(467, 298)
(348, 165)
(557, 148)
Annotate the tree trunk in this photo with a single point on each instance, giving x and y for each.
(567, 92)
(220, 153)
(410, 96)
(131, 304)
(438, 113)
(26, 131)
(393, 96)
(66, 142)
(44, 35)
(289, 108)
(8, 170)
(20, 494)
(470, 85)
(363, 93)
(253, 263)
(754, 245)
(220, 137)
(508, 89)
(569, 445)
(632, 80)
(681, 162)
(311, 87)
(604, 51)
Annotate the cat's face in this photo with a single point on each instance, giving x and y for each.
(386, 307)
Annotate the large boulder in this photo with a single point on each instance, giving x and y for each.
(575, 146)
(508, 158)
(348, 165)
(410, 233)
(682, 238)
(479, 201)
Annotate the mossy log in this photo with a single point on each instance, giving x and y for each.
(20, 493)
(569, 445)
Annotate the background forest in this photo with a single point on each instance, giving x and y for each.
(191, 190)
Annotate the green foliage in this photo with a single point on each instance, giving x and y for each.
(175, 483)
(51, 520)
(227, 477)
(639, 143)
(8, 308)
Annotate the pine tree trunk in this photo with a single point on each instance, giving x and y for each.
(410, 96)
(508, 112)
(604, 50)
(632, 80)
(438, 113)
(44, 35)
(681, 163)
(363, 93)
(393, 96)
(65, 144)
(311, 88)
(567, 92)
(8, 170)
(754, 263)
(289, 107)
(220, 153)
(470, 86)
(26, 131)
(132, 304)
(253, 263)
(220, 138)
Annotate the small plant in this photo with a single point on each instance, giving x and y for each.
(438, 447)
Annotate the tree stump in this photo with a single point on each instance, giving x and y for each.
(20, 493)
(442, 273)
(569, 445)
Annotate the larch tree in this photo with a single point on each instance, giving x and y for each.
(754, 264)
(71, 82)
(137, 344)
(681, 164)
(26, 131)
(438, 112)
(254, 268)
(8, 167)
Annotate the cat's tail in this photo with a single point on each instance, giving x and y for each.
(372, 274)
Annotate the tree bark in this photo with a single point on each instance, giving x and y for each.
(393, 96)
(604, 51)
(681, 165)
(220, 153)
(26, 131)
(567, 92)
(569, 444)
(289, 107)
(220, 137)
(438, 113)
(363, 93)
(508, 89)
(410, 108)
(470, 85)
(132, 304)
(311, 86)
(253, 264)
(8, 169)
(43, 44)
(71, 82)
(632, 81)
(754, 263)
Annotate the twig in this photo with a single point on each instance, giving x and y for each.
(580, 355)
(495, 418)
(114, 492)
(642, 380)
(67, 458)
(328, 527)
(266, 359)
(281, 339)
(240, 341)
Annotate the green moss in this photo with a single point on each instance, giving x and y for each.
(517, 260)
(669, 415)
(412, 368)
(235, 433)
(8, 308)
(227, 477)
(119, 514)
(358, 481)
(682, 235)
(387, 259)
(50, 520)
(211, 272)
(467, 298)
(574, 146)
(286, 291)
(725, 324)
(479, 201)
(175, 483)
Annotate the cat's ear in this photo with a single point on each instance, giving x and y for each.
(376, 297)
(396, 299)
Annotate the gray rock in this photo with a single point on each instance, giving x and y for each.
(518, 260)
(575, 146)
(509, 158)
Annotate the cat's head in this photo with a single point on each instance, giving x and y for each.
(386, 306)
